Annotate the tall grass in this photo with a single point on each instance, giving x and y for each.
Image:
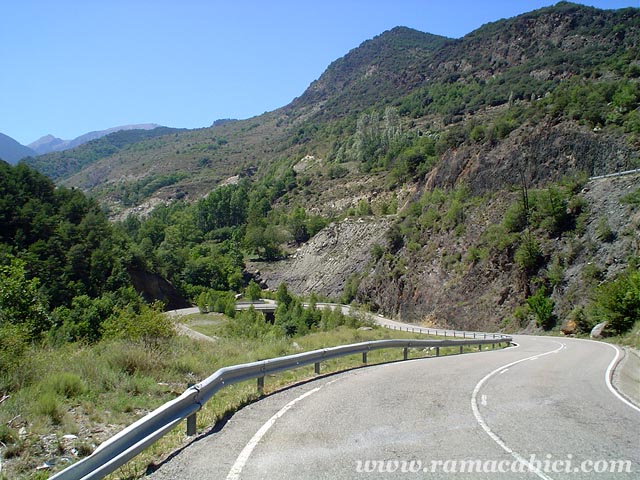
(74, 387)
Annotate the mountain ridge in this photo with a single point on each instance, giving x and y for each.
(13, 151)
(50, 143)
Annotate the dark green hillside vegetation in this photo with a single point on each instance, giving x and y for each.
(64, 238)
(202, 246)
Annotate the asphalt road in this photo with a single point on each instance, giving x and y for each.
(485, 412)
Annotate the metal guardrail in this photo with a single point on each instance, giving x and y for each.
(617, 174)
(125, 445)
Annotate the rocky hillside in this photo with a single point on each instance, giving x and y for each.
(465, 160)
(434, 83)
(465, 274)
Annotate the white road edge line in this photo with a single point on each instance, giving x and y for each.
(487, 429)
(609, 374)
(241, 461)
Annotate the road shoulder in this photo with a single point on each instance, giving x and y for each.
(626, 377)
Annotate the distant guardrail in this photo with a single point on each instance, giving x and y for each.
(618, 174)
(271, 306)
(122, 447)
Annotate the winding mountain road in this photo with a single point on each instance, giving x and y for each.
(540, 410)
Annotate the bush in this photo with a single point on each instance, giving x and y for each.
(604, 232)
(13, 344)
(377, 251)
(250, 324)
(253, 291)
(528, 255)
(48, 405)
(131, 358)
(618, 301)
(542, 306)
(150, 326)
(65, 384)
(515, 218)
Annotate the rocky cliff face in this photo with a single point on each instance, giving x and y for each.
(438, 282)
(442, 284)
(544, 152)
(153, 287)
(326, 262)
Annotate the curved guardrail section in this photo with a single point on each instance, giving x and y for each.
(123, 446)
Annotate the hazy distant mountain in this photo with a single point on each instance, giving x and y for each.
(12, 151)
(49, 143)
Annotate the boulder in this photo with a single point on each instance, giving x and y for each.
(570, 327)
(596, 332)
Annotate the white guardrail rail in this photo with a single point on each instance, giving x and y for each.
(125, 445)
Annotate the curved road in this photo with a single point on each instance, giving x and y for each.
(490, 411)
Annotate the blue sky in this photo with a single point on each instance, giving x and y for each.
(73, 66)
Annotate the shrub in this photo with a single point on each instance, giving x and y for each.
(253, 291)
(618, 301)
(515, 218)
(528, 255)
(131, 358)
(47, 404)
(66, 384)
(150, 326)
(377, 251)
(13, 343)
(604, 232)
(542, 306)
(250, 324)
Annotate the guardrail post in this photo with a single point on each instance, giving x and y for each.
(260, 385)
(364, 357)
(191, 425)
(316, 368)
(404, 353)
(493, 346)
(191, 419)
(480, 346)
(437, 351)
(460, 348)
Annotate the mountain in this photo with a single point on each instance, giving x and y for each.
(60, 164)
(12, 151)
(389, 65)
(467, 161)
(49, 143)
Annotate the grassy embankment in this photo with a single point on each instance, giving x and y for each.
(93, 391)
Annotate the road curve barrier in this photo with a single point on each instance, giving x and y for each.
(122, 447)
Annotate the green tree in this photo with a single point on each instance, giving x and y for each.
(618, 301)
(253, 291)
(283, 297)
(542, 306)
(20, 302)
